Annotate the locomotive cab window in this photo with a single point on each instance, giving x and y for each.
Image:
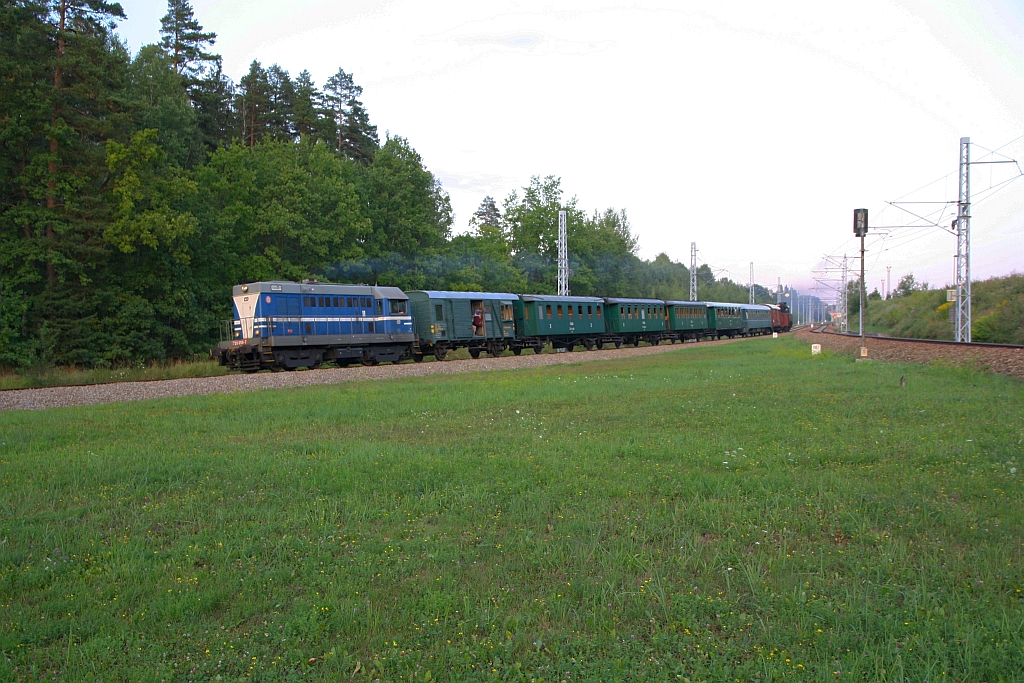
(398, 307)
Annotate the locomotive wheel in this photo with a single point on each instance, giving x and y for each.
(417, 357)
(276, 368)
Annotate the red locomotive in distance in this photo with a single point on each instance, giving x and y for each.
(781, 320)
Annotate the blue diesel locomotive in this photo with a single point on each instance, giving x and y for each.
(288, 325)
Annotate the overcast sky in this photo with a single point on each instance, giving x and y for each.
(751, 128)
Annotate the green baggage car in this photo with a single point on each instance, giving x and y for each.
(563, 321)
(631, 321)
(687, 320)
(478, 321)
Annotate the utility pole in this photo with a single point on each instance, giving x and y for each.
(888, 281)
(751, 282)
(693, 271)
(563, 257)
(963, 246)
(860, 229)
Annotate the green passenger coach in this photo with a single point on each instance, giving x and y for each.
(564, 321)
(725, 320)
(634, 320)
(687, 320)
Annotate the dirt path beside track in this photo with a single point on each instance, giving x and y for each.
(54, 397)
(1005, 361)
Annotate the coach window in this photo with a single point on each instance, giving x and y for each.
(559, 311)
(598, 311)
(398, 307)
(526, 312)
(548, 307)
(580, 311)
(570, 311)
(439, 312)
(590, 311)
(506, 312)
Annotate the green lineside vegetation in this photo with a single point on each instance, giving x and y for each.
(997, 311)
(744, 511)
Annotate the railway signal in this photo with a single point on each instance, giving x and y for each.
(860, 229)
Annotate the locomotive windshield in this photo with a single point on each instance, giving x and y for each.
(399, 307)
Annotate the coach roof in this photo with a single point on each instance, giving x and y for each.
(440, 294)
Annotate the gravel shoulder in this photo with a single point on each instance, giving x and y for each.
(56, 397)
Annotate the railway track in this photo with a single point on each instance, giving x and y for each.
(117, 392)
(945, 342)
(1007, 359)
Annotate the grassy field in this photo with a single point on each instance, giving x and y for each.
(741, 512)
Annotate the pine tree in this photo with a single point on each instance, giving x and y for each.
(488, 215)
(306, 107)
(184, 40)
(354, 136)
(253, 104)
(211, 98)
(281, 95)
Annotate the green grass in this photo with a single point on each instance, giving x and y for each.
(27, 378)
(64, 376)
(737, 512)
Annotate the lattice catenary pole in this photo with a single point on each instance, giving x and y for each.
(844, 304)
(963, 246)
(751, 282)
(693, 271)
(563, 257)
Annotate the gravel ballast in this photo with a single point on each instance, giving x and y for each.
(1005, 361)
(56, 397)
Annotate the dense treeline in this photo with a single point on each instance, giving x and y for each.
(136, 190)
